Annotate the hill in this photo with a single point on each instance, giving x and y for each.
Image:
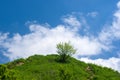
(48, 67)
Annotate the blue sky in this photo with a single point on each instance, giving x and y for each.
(29, 27)
(15, 13)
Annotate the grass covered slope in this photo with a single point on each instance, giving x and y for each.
(40, 67)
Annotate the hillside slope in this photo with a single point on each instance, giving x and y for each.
(40, 67)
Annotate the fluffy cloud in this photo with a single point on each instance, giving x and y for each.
(43, 40)
(113, 62)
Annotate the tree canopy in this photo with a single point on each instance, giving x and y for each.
(65, 50)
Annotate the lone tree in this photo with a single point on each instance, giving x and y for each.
(65, 50)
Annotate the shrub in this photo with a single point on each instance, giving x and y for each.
(6, 74)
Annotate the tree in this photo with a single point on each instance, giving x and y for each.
(65, 50)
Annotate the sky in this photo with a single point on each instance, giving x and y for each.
(29, 27)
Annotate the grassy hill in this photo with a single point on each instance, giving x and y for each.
(48, 67)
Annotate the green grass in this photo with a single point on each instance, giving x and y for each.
(48, 67)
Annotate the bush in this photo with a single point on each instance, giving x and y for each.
(6, 74)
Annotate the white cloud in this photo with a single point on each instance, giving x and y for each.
(43, 40)
(3, 37)
(73, 22)
(118, 4)
(111, 33)
(113, 62)
(92, 14)
(118, 54)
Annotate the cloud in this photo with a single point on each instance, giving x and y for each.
(92, 14)
(118, 4)
(112, 32)
(3, 37)
(113, 62)
(118, 54)
(72, 21)
(43, 40)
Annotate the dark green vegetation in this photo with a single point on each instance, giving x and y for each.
(6, 74)
(65, 50)
(40, 67)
